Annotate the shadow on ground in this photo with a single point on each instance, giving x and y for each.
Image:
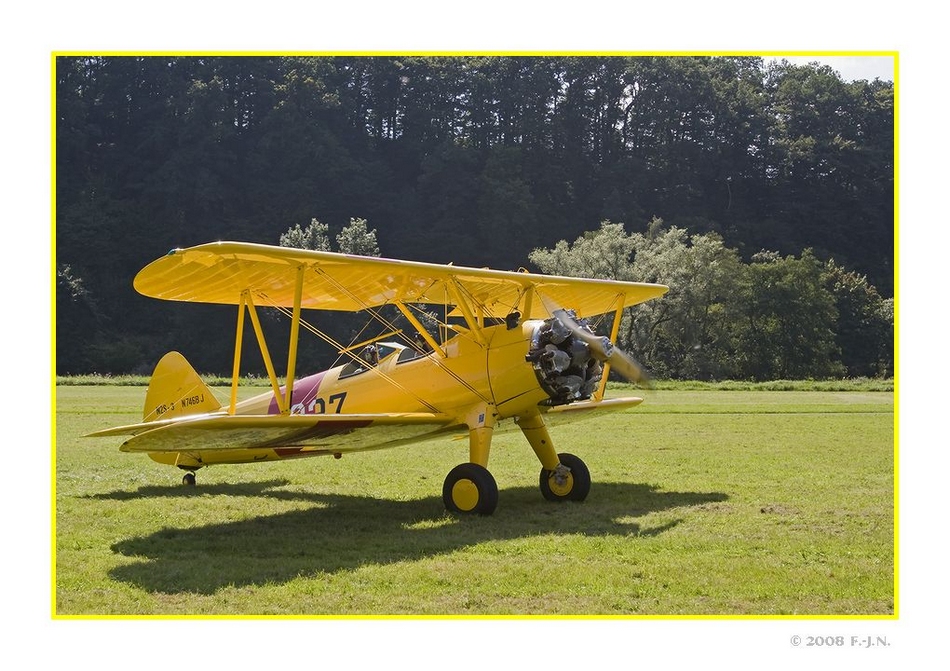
(346, 532)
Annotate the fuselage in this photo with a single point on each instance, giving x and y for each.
(502, 373)
(471, 373)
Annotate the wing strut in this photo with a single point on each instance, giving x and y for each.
(285, 400)
(294, 339)
(528, 301)
(259, 332)
(614, 331)
(238, 343)
(470, 319)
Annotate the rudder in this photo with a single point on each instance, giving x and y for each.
(176, 390)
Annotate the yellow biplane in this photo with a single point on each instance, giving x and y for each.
(512, 347)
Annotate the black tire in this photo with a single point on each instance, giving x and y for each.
(189, 480)
(470, 488)
(575, 488)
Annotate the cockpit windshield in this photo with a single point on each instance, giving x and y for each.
(370, 357)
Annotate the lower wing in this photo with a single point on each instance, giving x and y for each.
(228, 432)
(563, 414)
(217, 431)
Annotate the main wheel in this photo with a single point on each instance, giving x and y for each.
(189, 480)
(470, 488)
(570, 481)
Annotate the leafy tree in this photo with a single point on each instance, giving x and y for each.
(606, 253)
(822, 185)
(356, 239)
(777, 317)
(865, 327)
(447, 204)
(687, 333)
(315, 237)
(506, 207)
(786, 319)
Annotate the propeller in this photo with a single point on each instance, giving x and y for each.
(601, 347)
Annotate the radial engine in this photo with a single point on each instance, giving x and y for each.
(566, 368)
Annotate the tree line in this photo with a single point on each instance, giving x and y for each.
(476, 160)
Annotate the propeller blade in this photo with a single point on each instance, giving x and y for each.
(627, 367)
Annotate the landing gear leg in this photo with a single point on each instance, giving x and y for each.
(470, 487)
(564, 477)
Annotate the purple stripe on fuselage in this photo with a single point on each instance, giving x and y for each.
(305, 391)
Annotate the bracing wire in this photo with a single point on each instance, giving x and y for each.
(333, 343)
(375, 313)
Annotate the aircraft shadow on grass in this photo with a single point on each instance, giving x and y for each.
(342, 533)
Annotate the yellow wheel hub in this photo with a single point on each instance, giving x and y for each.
(465, 495)
(564, 487)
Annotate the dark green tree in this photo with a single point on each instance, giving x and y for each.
(315, 236)
(865, 328)
(785, 318)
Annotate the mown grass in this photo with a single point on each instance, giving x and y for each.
(704, 502)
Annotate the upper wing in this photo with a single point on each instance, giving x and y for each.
(229, 432)
(220, 272)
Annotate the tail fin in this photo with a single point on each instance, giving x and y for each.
(176, 390)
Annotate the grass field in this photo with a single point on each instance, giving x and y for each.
(705, 502)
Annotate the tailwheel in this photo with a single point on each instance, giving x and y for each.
(470, 488)
(189, 480)
(570, 481)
